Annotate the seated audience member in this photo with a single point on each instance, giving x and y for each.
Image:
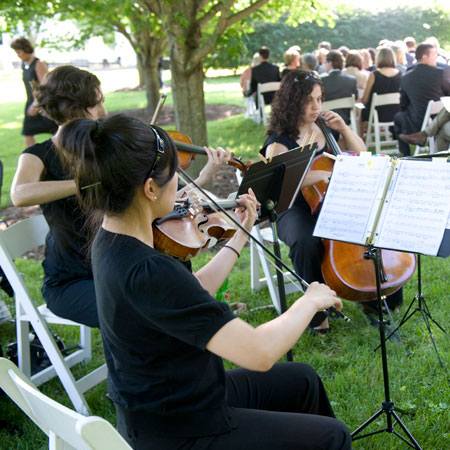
(324, 44)
(309, 62)
(410, 43)
(366, 58)
(344, 51)
(354, 67)
(321, 55)
(336, 84)
(438, 128)
(264, 73)
(165, 333)
(372, 52)
(442, 56)
(247, 73)
(399, 50)
(291, 59)
(384, 80)
(422, 83)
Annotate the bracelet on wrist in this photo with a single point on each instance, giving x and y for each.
(233, 249)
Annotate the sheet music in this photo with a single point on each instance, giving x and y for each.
(352, 197)
(417, 208)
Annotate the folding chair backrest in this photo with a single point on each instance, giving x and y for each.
(13, 392)
(433, 108)
(65, 425)
(385, 99)
(24, 236)
(268, 87)
(343, 103)
(339, 103)
(16, 240)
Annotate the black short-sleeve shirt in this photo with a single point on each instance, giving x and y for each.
(67, 242)
(156, 320)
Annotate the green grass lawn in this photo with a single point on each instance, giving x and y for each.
(345, 358)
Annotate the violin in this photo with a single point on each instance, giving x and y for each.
(187, 151)
(344, 267)
(190, 227)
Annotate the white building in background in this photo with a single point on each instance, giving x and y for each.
(95, 53)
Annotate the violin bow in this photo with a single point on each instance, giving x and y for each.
(332, 312)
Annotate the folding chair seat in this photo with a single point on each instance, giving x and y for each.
(433, 108)
(344, 103)
(14, 242)
(260, 113)
(378, 127)
(66, 429)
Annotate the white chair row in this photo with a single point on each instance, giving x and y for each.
(14, 242)
(66, 429)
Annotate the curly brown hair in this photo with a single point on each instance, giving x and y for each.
(290, 100)
(66, 93)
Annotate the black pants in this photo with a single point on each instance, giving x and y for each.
(74, 300)
(284, 408)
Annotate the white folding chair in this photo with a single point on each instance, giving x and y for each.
(433, 108)
(344, 103)
(261, 111)
(14, 242)
(381, 100)
(259, 257)
(66, 429)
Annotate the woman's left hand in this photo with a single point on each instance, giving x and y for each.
(334, 121)
(216, 158)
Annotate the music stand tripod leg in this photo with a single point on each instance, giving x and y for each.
(387, 405)
(276, 249)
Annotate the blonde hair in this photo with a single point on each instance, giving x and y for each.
(291, 54)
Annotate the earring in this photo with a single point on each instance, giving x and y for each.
(155, 197)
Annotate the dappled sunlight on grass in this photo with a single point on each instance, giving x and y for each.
(10, 125)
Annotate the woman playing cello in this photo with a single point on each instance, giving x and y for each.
(295, 109)
(163, 333)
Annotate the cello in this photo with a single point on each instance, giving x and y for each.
(344, 267)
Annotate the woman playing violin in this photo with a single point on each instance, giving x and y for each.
(68, 93)
(165, 336)
(295, 109)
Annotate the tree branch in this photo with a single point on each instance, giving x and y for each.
(231, 20)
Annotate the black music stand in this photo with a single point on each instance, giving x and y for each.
(387, 407)
(276, 185)
(422, 308)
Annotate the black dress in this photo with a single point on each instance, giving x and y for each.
(383, 85)
(34, 124)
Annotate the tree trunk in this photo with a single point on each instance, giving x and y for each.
(189, 102)
(151, 81)
(140, 72)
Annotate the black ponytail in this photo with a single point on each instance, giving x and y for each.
(110, 158)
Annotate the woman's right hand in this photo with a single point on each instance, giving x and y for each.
(248, 213)
(322, 296)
